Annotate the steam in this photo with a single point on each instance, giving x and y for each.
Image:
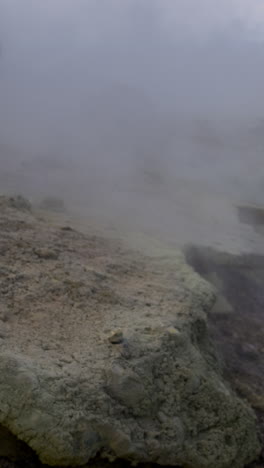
(117, 105)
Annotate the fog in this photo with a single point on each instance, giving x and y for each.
(148, 113)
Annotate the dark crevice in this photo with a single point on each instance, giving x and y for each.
(237, 326)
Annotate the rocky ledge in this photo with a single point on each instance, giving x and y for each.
(105, 352)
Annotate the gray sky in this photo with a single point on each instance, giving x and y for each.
(176, 17)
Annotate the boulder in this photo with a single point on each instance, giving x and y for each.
(106, 353)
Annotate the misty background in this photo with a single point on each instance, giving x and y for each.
(148, 113)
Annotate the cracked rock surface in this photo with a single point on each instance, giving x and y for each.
(105, 352)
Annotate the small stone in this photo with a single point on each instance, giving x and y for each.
(173, 331)
(66, 228)
(46, 347)
(116, 337)
(46, 254)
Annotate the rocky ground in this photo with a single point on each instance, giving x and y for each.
(61, 290)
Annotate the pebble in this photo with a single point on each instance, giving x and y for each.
(116, 337)
(46, 254)
(173, 331)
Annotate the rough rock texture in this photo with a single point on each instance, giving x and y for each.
(18, 202)
(105, 352)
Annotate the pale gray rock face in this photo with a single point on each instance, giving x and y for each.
(106, 352)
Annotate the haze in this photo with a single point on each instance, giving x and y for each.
(147, 112)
